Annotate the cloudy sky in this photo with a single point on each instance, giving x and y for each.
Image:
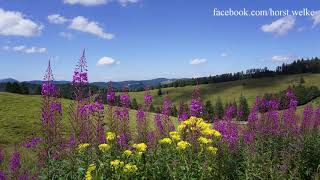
(145, 39)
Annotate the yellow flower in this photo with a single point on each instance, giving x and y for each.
(175, 136)
(165, 141)
(212, 150)
(217, 133)
(116, 163)
(110, 136)
(91, 168)
(104, 147)
(127, 153)
(142, 147)
(129, 168)
(83, 147)
(181, 126)
(208, 132)
(139, 154)
(204, 140)
(182, 145)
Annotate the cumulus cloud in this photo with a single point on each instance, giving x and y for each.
(280, 26)
(282, 58)
(99, 2)
(86, 2)
(28, 50)
(82, 24)
(107, 61)
(316, 18)
(14, 23)
(57, 19)
(66, 35)
(197, 61)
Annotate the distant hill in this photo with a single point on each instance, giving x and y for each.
(132, 85)
(11, 80)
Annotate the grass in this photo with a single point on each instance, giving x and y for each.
(229, 91)
(20, 117)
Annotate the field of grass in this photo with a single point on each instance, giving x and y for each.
(228, 91)
(20, 117)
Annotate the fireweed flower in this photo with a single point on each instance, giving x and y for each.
(196, 107)
(32, 143)
(159, 124)
(183, 115)
(104, 147)
(2, 176)
(182, 145)
(127, 153)
(83, 147)
(212, 150)
(111, 95)
(307, 122)
(142, 147)
(130, 168)
(165, 141)
(116, 164)
(110, 136)
(14, 164)
(147, 98)
(125, 100)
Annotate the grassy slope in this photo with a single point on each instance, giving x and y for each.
(20, 117)
(228, 91)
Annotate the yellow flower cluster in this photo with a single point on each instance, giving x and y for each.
(91, 168)
(182, 145)
(129, 168)
(83, 147)
(175, 136)
(198, 124)
(104, 147)
(203, 140)
(116, 163)
(165, 141)
(212, 150)
(141, 147)
(110, 136)
(127, 153)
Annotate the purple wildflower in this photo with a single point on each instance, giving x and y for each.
(14, 164)
(111, 95)
(125, 100)
(158, 122)
(229, 132)
(2, 176)
(307, 122)
(24, 176)
(33, 143)
(196, 106)
(183, 115)
(122, 140)
(147, 98)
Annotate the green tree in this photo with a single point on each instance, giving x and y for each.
(208, 112)
(24, 88)
(174, 111)
(243, 108)
(218, 109)
(134, 104)
(160, 92)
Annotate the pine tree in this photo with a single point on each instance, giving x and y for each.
(208, 111)
(243, 108)
(134, 104)
(218, 109)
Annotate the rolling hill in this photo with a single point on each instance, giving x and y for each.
(229, 91)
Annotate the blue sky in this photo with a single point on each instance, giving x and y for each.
(145, 39)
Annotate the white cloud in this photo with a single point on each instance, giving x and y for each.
(14, 23)
(316, 18)
(82, 24)
(86, 2)
(197, 61)
(57, 19)
(224, 54)
(66, 35)
(126, 2)
(280, 26)
(107, 61)
(282, 58)
(99, 2)
(28, 50)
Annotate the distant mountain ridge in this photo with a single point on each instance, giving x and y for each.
(131, 84)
